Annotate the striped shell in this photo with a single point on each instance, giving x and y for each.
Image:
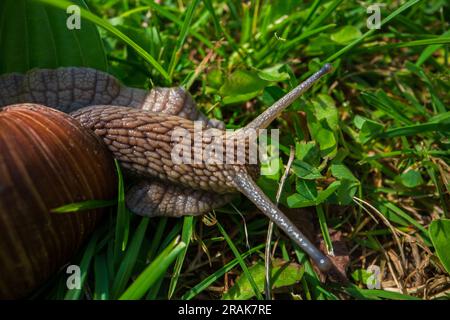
(46, 160)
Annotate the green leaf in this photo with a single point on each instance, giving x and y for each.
(282, 274)
(323, 123)
(33, 35)
(394, 213)
(440, 237)
(307, 189)
(348, 187)
(272, 165)
(325, 111)
(340, 171)
(346, 35)
(345, 192)
(239, 98)
(441, 127)
(369, 128)
(411, 179)
(306, 171)
(325, 194)
(361, 275)
(308, 152)
(242, 83)
(391, 107)
(297, 200)
(215, 78)
(273, 73)
(205, 283)
(271, 169)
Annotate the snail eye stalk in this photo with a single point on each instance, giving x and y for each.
(265, 118)
(248, 187)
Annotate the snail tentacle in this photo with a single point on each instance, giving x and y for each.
(266, 118)
(249, 188)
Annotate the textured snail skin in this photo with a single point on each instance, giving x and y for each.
(138, 127)
(47, 159)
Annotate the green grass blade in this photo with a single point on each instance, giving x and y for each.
(84, 205)
(123, 219)
(241, 261)
(312, 11)
(428, 52)
(405, 216)
(153, 272)
(156, 241)
(325, 14)
(377, 294)
(210, 8)
(324, 229)
(305, 35)
(311, 278)
(188, 227)
(101, 278)
(182, 37)
(74, 294)
(85, 14)
(167, 14)
(126, 267)
(415, 129)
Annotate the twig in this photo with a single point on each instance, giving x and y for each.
(267, 255)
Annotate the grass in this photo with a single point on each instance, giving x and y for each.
(371, 141)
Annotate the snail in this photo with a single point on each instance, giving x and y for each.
(138, 129)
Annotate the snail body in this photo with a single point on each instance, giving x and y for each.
(138, 126)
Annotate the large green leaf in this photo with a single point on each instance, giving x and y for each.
(33, 35)
(306, 171)
(440, 236)
(346, 35)
(283, 274)
(323, 123)
(411, 178)
(241, 85)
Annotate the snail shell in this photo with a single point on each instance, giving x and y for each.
(46, 160)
